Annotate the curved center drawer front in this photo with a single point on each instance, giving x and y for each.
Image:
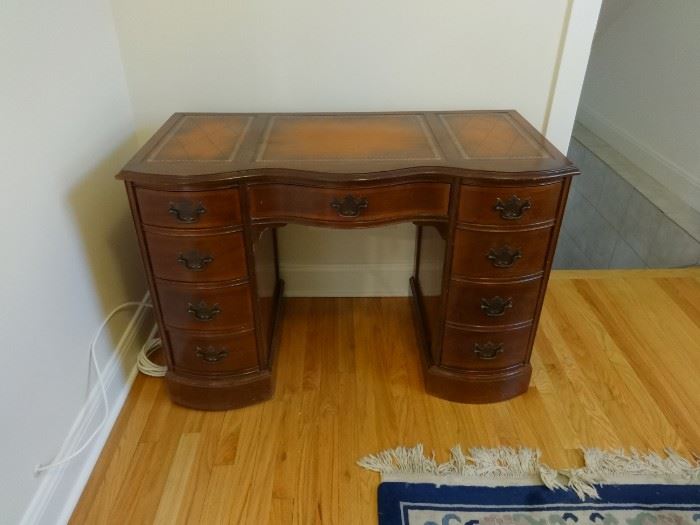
(206, 308)
(350, 204)
(206, 353)
(500, 254)
(189, 209)
(193, 257)
(479, 350)
(508, 206)
(491, 304)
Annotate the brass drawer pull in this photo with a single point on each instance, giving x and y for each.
(194, 260)
(496, 306)
(203, 312)
(488, 350)
(349, 206)
(513, 208)
(504, 257)
(211, 354)
(186, 211)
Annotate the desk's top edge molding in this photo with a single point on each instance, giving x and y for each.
(221, 146)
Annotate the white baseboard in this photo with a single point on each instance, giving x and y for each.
(346, 280)
(666, 172)
(60, 489)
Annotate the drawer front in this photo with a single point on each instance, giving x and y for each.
(193, 257)
(206, 353)
(480, 350)
(492, 304)
(500, 254)
(189, 209)
(350, 204)
(508, 205)
(206, 308)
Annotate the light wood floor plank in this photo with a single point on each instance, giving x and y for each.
(616, 364)
(109, 477)
(174, 492)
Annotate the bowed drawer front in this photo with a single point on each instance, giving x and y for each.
(197, 257)
(492, 304)
(350, 204)
(189, 209)
(213, 353)
(485, 350)
(500, 254)
(509, 205)
(211, 307)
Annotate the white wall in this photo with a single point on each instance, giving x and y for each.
(69, 252)
(641, 90)
(321, 55)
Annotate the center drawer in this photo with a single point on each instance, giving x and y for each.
(350, 204)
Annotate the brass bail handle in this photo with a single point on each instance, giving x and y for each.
(349, 206)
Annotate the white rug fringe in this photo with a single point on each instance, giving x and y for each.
(504, 463)
(608, 466)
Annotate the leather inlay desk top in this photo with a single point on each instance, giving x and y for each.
(195, 147)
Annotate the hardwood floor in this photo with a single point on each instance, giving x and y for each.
(616, 364)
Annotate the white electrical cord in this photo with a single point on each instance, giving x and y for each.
(143, 363)
(41, 468)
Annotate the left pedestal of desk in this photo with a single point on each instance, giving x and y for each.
(216, 317)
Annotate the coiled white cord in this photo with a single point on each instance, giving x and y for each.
(93, 358)
(143, 363)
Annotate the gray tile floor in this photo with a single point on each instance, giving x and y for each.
(610, 224)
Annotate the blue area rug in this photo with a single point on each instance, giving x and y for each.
(506, 486)
(428, 504)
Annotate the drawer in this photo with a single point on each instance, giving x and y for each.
(197, 307)
(508, 205)
(197, 257)
(189, 209)
(350, 204)
(500, 254)
(207, 353)
(484, 350)
(482, 304)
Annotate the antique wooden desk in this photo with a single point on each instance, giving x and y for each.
(484, 188)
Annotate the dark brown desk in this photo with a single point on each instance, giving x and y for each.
(485, 190)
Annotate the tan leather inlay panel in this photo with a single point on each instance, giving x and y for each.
(202, 138)
(347, 138)
(491, 136)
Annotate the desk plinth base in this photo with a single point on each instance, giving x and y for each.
(476, 389)
(220, 394)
